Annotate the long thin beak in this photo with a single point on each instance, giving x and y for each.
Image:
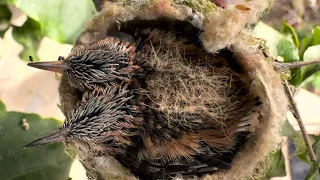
(55, 66)
(55, 137)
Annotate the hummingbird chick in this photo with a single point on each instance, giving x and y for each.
(142, 139)
(95, 65)
(126, 53)
(102, 119)
(154, 99)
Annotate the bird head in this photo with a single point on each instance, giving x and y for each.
(100, 63)
(102, 118)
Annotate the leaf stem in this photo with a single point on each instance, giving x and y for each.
(297, 115)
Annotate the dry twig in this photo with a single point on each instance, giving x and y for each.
(297, 115)
(282, 67)
(279, 66)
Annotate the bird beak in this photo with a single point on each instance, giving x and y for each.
(55, 66)
(55, 137)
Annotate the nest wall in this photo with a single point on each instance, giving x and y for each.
(222, 28)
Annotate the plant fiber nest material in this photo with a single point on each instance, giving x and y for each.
(224, 31)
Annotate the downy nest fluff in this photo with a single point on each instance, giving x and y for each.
(170, 89)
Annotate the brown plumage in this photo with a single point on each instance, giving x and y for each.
(155, 100)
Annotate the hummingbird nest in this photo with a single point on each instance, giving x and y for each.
(183, 88)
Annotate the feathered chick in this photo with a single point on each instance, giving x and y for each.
(97, 64)
(151, 146)
(160, 103)
(122, 53)
(102, 119)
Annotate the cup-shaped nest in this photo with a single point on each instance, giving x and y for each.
(232, 70)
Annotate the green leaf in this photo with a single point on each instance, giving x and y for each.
(289, 31)
(314, 80)
(313, 52)
(301, 150)
(60, 20)
(5, 15)
(29, 35)
(312, 40)
(313, 173)
(288, 130)
(279, 45)
(3, 2)
(45, 162)
(277, 165)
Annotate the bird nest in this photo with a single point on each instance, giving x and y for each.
(181, 88)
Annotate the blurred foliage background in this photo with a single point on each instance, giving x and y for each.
(291, 31)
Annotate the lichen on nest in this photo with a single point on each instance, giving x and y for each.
(202, 6)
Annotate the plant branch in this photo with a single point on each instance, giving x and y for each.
(279, 66)
(297, 115)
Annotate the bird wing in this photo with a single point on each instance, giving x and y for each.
(206, 161)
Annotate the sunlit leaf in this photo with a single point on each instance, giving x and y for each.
(60, 20)
(313, 52)
(311, 40)
(289, 31)
(29, 35)
(279, 45)
(46, 162)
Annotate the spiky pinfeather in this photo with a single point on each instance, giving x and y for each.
(156, 100)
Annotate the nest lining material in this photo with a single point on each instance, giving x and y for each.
(182, 86)
(263, 81)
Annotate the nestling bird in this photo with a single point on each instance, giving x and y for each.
(123, 53)
(156, 100)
